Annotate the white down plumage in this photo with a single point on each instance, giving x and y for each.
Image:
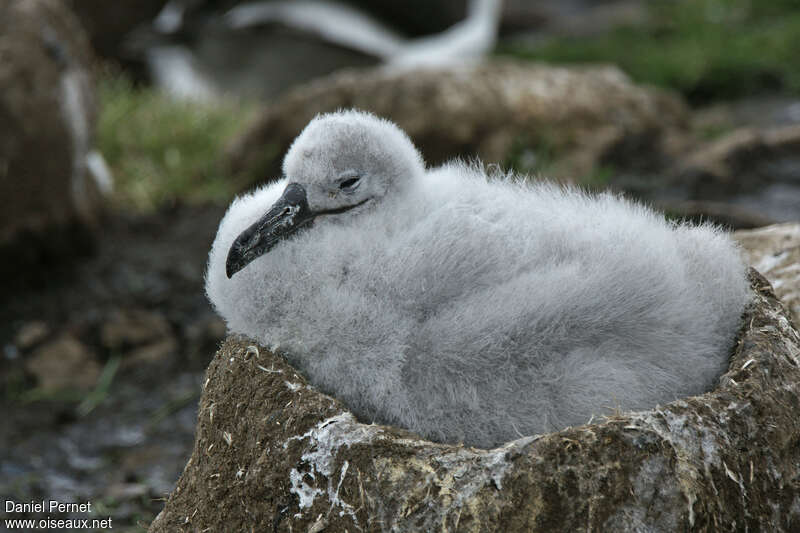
(466, 308)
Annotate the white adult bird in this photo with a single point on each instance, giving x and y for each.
(466, 309)
(345, 26)
(264, 47)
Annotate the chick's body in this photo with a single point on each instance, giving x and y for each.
(476, 311)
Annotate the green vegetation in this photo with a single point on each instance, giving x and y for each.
(706, 49)
(599, 178)
(101, 389)
(529, 156)
(161, 149)
(539, 156)
(16, 392)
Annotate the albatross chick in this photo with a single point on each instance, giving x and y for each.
(465, 308)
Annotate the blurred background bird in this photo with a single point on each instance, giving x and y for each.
(261, 48)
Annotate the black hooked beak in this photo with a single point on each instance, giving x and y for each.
(285, 217)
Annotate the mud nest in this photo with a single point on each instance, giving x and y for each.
(273, 454)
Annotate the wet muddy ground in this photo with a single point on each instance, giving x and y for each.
(112, 421)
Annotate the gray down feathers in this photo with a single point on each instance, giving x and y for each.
(477, 310)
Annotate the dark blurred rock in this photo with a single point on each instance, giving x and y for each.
(31, 334)
(134, 327)
(47, 112)
(775, 251)
(760, 111)
(584, 115)
(272, 454)
(204, 336)
(154, 352)
(753, 168)
(108, 23)
(64, 363)
(126, 491)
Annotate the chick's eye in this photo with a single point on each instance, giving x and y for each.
(349, 183)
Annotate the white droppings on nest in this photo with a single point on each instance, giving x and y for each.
(498, 460)
(252, 351)
(333, 495)
(667, 498)
(270, 370)
(668, 426)
(324, 441)
(293, 386)
(463, 474)
(304, 492)
(737, 478)
(709, 447)
(328, 436)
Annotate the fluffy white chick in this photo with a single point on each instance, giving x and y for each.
(470, 309)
